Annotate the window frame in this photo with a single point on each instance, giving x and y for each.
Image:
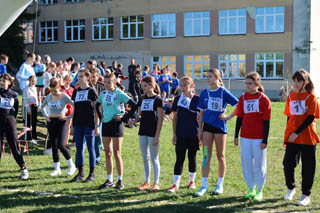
(136, 23)
(28, 27)
(46, 32)
(265, 60)
(228, 17)
(166, 63)
(168, 21)
(228, 61)
(73, 1)
(48, 2)
(193, 65)
(74, 26)
(201, 21)
(274, 15)
(100, 25)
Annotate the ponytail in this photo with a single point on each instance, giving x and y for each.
(217, 75)
(257, 80)
(156, 89)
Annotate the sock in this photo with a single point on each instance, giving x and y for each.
(176, 179)
(57, 165)
(70, 163)
(110, 178)
(192, 176)
(92, 169)
(119, 177)
(220, 181)
(204, 182)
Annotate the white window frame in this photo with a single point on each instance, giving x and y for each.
(48, 2)
(73, 26)
(46, 32)
(228, 61)
(193, 64)
(228, 17)
(168, 21)
(73, 1)
(129, 23)
(265, 60)
(265, 15)
(193, 19)
(28, 27)
(99, 26)
(160, 63)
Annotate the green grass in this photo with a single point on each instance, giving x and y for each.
(44, 193)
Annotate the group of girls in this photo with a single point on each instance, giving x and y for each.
(196, 121)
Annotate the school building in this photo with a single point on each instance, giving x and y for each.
(271, 37)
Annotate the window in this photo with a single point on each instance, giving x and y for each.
(232, 21)
(102, 28)
(48, 2)
(48, 31)
(197, 23)
(164, 25)
(197, 66)
(164, 61)
(73, 1)
(270, 20)
(270, 65)
(132, 27)
(74, 30)
(28, 32)
(232, 66)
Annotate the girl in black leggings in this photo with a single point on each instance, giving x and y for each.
(9, 104)
(185, 132)
(57, 124)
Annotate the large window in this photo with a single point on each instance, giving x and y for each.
(73, 1)
(102, 28)
(28, 32)
(270, 65)
(164, 61)
(197, 66)
(48, 2)
(48, 31)
(232, 21)
(132, 27)
(74, 30)
(197, 23)
(164, 25)
(270, 20)
(232, 66)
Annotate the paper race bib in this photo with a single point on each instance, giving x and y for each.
(109, 98)
(82, 95)
(251, 106)
(298, 107)
(184, 102)
(147, 105)
(215, 104)
(54, 104)
(6, 103)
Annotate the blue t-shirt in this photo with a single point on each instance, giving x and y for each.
(155, 76)
(144, 74)
(3, 69)
(214, 103)
(165, 86)
(187, 124)
(175, 83)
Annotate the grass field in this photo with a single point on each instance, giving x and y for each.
(43, 193)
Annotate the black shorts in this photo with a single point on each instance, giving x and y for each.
(40, 86)
(112, 129)
(212, 129)
(188, 142)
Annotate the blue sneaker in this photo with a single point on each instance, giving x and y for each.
(201, 191)
(218, 190)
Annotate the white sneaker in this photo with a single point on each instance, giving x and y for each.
(55, 172)
(24, 174)
(71, 170)
(218, 190)
(47, 152)
(290, 193)
(304, 200)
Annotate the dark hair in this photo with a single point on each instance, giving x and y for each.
(103, 64)
(119, 65)
(150, 80)
(146, 67)
(257, 80)
(94, 70)
(137, 72)
(69, 59)
(31, 77)
(87, 74)
(74, 65)
(30, 54)
(9, 78)
(54, 82)
(114, 62)
(302, 75)
(175, 74)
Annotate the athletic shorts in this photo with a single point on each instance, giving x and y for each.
(212, 129)
(112, 129)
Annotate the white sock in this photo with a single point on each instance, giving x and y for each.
(57, 165)
(192, 176)
(220, 181)
(110, 178)
(176, 179)
(204, 182)
(70, 163)
(119, 177)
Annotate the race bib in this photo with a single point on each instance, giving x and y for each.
(215, 104)
(54, 105)
(82, 95)
(122, 108)
(184, 102)
(109, 98)
(251, 106)
(6, 103)
(298, 107)
(147, 105)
